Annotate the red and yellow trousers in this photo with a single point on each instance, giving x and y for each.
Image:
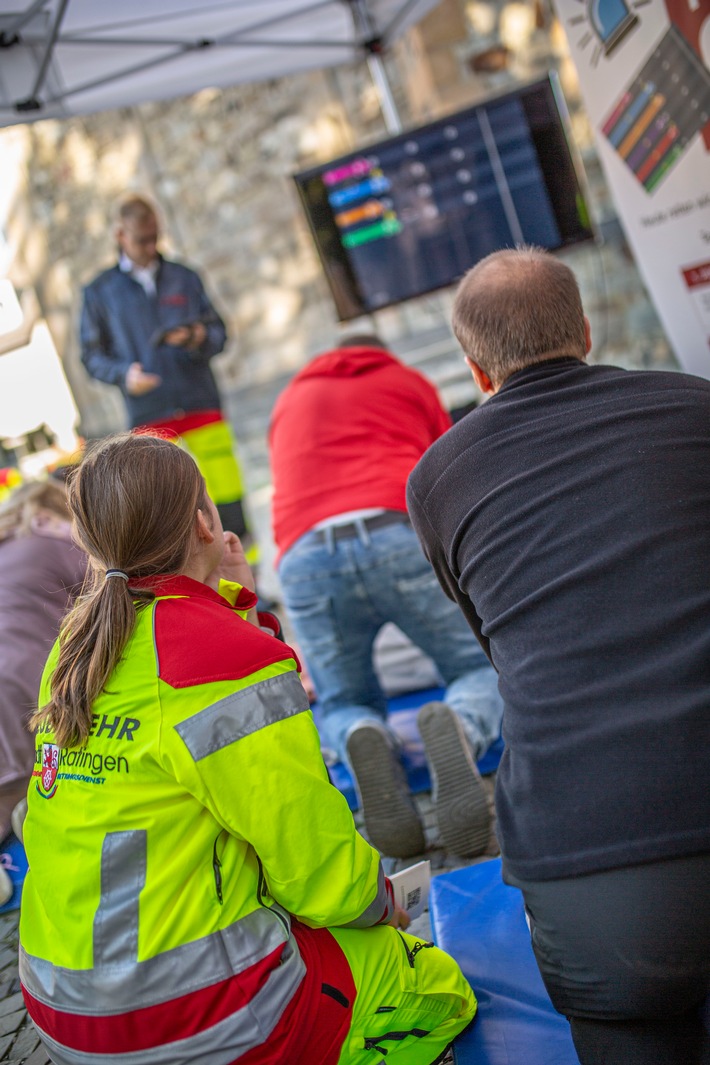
(210, 440)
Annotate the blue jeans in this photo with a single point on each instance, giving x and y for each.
(339, 594)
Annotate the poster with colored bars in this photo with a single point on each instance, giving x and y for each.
(644, 74)
(661, 111)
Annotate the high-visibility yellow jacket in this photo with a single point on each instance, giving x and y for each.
(167, 855)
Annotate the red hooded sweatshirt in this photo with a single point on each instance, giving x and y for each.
(345, 434)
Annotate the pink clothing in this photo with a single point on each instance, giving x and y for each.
(360, 455)
(39, 576)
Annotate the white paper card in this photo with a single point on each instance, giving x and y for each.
(411, 888)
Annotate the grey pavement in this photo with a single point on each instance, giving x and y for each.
(18, 1039)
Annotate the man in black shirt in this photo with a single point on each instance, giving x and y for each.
(569, 516)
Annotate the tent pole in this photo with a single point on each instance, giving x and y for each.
(390, 113)
(32, 103)
(373, 46)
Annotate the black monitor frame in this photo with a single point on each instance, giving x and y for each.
(525, 185)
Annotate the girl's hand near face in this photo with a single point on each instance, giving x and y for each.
(234, 567)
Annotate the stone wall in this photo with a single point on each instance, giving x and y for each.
(219, 165)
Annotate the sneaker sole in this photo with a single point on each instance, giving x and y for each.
(458, 792)
(391, 819)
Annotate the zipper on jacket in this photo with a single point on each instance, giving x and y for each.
(261, 889)
(371, 1044)
(411, 954)
(217, 869)
(375, 1043)
(265, 899)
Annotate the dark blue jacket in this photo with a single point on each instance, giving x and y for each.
(120, 325)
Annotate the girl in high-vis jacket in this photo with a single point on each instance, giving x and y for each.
(197, 890)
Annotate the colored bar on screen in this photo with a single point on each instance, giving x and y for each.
(371, 209)
(357, 168)
(387, 228)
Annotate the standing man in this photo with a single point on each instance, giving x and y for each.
(148, 326)
(569, 517)
(345, 434)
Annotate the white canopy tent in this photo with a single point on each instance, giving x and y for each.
(60, 58)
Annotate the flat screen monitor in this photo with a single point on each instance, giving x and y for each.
(410, 214)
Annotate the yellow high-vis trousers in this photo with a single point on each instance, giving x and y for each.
(412, 998)
(213, 448)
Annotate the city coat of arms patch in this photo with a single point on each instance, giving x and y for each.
(47, 783)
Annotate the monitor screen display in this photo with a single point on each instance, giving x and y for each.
(412, 213)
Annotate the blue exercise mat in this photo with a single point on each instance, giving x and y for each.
(402, 718)
(480, 921)
(14, 862)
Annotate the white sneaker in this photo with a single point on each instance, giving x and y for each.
(6, 887)
(18, 818)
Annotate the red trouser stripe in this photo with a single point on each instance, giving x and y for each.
(313, 1028)
(182, 423)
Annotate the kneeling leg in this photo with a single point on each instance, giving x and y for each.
(412, 998)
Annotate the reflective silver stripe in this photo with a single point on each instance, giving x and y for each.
(123, 869)
(220, 1044)
(243, 713)
(376, 910)
(112, 989)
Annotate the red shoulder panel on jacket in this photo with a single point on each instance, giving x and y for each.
(198, 642)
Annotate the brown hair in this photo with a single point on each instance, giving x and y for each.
(362, 340)
(136, 208)
(25, 501)
(133, 498)
(518, 307)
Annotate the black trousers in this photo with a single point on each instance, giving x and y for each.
(625, 956)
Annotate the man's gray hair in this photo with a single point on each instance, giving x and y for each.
(518, 307)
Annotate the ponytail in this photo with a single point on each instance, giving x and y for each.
(92, 640)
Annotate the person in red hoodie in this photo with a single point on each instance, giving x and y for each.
(344, 436)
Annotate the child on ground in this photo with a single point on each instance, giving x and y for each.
(197, 889)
